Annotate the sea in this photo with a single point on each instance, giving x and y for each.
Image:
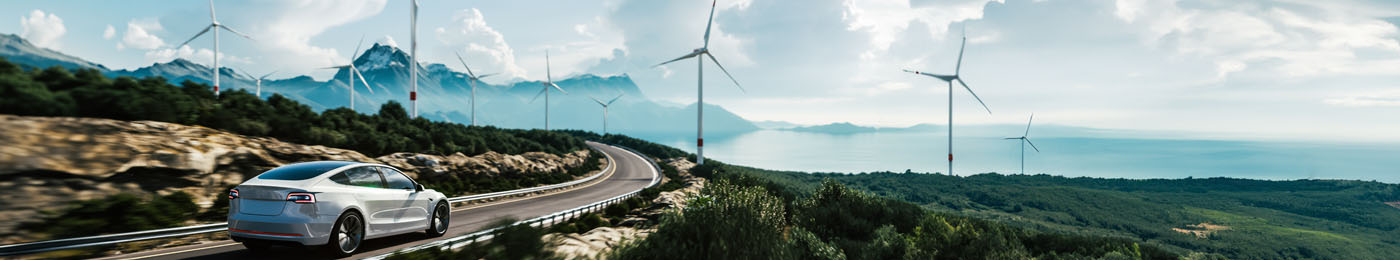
(1064, 156)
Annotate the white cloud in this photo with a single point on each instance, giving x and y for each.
(1128, 10)
(582, 29)
(388, 41)
(468, 28)
(886, 19)
(109, 32)
(1299, 40)
(138, 35)
(201, 56)
(1379, 99)
(284, 29)
(42, 29)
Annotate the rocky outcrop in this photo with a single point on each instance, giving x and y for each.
(595, 243)
(676, 199)
(46, 162)
(489, 163)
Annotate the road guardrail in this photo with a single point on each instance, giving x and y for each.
(541, 221)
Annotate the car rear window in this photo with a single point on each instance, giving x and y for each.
(300, 171)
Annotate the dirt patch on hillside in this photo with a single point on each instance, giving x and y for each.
(1203, 230)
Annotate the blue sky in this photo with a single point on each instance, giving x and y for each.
(1288, 69)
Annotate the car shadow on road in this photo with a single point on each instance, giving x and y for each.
(308, 253)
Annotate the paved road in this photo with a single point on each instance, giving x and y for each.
(631, 173)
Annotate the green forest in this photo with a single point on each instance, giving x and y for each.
(1302, 219)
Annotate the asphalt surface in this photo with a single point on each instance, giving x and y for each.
(631, 172)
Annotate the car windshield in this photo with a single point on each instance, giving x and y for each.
(300, 171)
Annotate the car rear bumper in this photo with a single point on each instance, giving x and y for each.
(303, 230)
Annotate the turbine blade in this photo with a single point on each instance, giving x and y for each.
(464, 65)
(485, 75)
(362, 79)
(226, 28)
(958, 70)
(211, 11)
(726, 72)
(1012, 138)
(600, 102)
(336, 67)
(196, 36)
(614, 99)
(1028, 140)
(547, 76)
(268, 74)
(1028, 126)
(941, 77)
(974, 95)
(556, 86)
(537, 96)
(708, 23)
(687, 56)
(245, 73)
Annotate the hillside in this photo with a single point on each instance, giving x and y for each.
(1236, 218)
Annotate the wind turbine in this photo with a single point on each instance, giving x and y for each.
(1025, 140)
(413, 58)
(700, 85)
(605, 110)
(950, 79)
(354, 72)
(472, 78)
(548, 83)
(259, 80)
(215, 25)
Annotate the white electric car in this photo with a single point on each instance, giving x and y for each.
(333, 203)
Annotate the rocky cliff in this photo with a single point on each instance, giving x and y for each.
(48, 162)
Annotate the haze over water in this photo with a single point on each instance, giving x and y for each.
(1066, 156)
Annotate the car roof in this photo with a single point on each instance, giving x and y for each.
(321, 164)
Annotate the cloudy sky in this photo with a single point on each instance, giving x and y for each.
(1294, 69)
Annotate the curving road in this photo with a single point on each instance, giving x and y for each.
(631, 172)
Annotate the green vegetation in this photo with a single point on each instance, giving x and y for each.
(742, 215)
(87, 93)
(1324, 219)
(116, 214)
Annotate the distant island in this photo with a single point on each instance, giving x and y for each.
(849, 128)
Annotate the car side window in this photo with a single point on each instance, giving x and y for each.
(396, 180)
(359, 176)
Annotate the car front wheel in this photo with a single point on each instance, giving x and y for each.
(437, 226)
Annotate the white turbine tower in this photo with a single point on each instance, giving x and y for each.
(1025, 139)
(605, 110)
(700, 83)
(413, 58)
(354, 72)
(472, 78)
(215, 26)
(548, 83)
(259, 81)
(950, 79)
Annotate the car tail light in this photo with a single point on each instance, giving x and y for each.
(301, 197)
(233, 194)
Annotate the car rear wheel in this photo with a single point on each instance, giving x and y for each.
(347, 234)
(437, 226)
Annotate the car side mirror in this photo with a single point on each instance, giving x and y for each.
(419, 187)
